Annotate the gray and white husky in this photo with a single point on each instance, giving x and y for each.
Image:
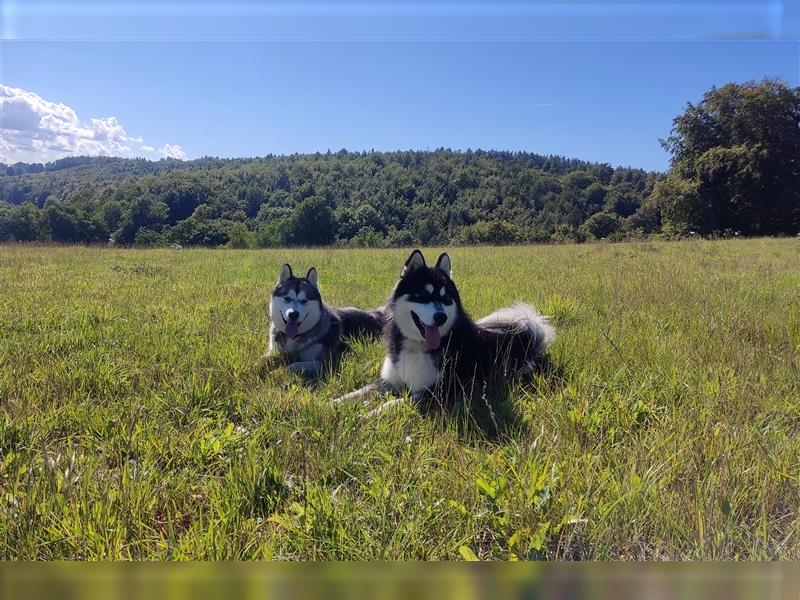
(434, 349)
(306, 332)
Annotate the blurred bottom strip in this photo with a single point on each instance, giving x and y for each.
(389, 581)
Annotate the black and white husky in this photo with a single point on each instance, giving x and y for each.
(434, 349)
(306, 332)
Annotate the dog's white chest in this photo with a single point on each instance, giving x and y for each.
(415, 370)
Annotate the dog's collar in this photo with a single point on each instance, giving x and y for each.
(283, 333)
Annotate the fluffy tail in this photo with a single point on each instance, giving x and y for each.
(522, 320)
(360, 322)
(380, 314)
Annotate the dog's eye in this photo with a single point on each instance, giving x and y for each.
(303, 301)
(287, 299)
(447, 300)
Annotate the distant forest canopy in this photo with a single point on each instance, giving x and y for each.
(374, 198)
(735, 169)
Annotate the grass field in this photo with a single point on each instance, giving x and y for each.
(134, 425)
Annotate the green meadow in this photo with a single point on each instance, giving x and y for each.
(136, 426)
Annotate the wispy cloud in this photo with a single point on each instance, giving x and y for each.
(35, 129)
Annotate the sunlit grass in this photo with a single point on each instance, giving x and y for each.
(134, 425)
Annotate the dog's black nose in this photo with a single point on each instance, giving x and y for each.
(439, 318)
(292, 314)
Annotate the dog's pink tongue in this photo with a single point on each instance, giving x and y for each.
(291, 328)
(432, 337)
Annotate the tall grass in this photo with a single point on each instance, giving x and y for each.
(135, 426)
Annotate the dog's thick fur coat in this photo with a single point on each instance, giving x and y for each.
(308, 333)
(434, 349)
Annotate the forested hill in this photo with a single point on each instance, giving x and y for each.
(372, 198)
(734, 170)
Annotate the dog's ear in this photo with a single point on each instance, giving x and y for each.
(312, 276)
(443, 264)
(414, 262)
(286, 273)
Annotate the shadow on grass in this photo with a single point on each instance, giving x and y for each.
(482, 408)
(486, 407)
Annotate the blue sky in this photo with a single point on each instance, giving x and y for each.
(606, 100)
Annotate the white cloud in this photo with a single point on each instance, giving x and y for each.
(36, 130)
(172, 151)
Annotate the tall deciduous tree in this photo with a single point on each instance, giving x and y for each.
(312, 223)
(736, 161)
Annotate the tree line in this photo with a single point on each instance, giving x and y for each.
(734, 169)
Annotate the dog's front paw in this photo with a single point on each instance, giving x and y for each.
(383, 408)
(308, 369)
